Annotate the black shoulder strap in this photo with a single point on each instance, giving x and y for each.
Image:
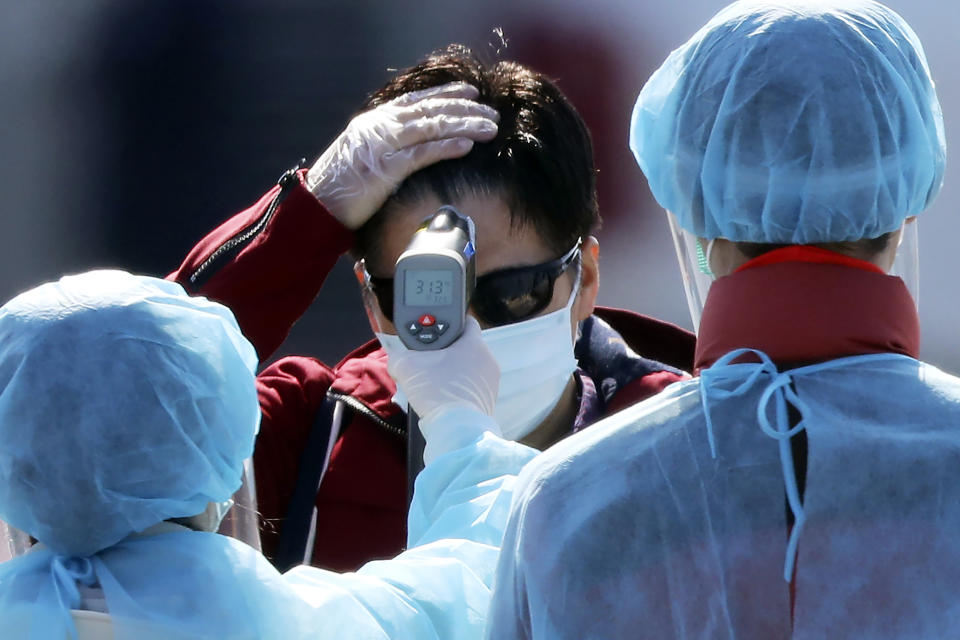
(295, 534)
(415, 446)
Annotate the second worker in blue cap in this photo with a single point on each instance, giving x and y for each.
(806, 483)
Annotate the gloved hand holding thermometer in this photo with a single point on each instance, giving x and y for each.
(434, 280)
(447, 372)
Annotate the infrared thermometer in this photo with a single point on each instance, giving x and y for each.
(432, 285)
(434, 280)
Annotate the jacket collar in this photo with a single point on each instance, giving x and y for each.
(801, 305)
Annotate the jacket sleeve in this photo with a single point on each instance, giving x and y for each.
(640, 389)
(268, 262)
(441, 588)
(290, 392)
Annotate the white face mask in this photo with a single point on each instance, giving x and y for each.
(536, 361)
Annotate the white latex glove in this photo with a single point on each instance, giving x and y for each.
(453, 390)
(381, 147)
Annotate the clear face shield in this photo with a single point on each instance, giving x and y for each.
(693, 255)
(906, 266)
(13, 542)
(241, 521)
(694, 269)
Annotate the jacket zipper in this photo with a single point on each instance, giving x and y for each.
(367, 412)
(234, 245)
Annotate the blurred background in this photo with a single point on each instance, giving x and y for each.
(129, 128)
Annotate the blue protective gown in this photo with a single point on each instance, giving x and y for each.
(679, 528)
(125, 403)
(437, 590)
(440, 588)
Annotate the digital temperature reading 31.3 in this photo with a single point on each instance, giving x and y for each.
(434, 281)
(428, 287)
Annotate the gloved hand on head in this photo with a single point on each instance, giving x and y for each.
(453, 390)
(381, 147)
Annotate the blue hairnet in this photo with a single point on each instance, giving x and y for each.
(123, 402)
(793, 122)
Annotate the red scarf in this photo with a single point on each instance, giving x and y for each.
(802, 304)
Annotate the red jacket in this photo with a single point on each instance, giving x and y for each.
(267, 264)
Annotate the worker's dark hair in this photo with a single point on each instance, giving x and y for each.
(866, 248)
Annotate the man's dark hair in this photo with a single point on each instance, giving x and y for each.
(866, 248)
(540, 163)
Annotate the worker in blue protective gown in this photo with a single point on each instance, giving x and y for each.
(439, 589)
(127, 410)
(807, 483)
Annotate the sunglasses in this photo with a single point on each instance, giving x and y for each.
(500, 297)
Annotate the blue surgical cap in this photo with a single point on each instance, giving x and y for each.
(793, 122)
(123, 402)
